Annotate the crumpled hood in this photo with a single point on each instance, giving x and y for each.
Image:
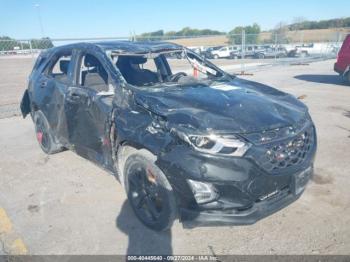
(239, 106)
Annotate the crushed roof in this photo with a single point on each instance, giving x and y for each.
(126, 46)
(138, 47)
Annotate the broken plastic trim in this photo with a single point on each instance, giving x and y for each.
(201, 67)
(204, 66)
(203, 192)
(25, 104)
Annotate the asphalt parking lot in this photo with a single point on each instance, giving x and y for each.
(14, 71)
(63, 204)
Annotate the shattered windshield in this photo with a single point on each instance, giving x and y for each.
(169, 67)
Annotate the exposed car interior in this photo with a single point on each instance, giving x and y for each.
(133, 72)
(153, 69)
(92, 74)
(59, 69)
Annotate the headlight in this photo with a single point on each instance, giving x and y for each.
(217, 144)
(203, 192)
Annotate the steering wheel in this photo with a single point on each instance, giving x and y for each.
(177, 76)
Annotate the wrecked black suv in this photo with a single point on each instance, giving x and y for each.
(185, 139)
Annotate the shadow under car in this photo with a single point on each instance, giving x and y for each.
(322, 79)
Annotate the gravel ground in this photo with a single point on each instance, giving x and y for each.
(63, 204)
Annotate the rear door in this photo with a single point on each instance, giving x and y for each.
(50, 88)
(87, 106)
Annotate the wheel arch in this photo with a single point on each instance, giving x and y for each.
(346, 71)
(123, 150)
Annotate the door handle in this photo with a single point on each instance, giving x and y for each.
(43, 84)
(77, 96)
(73, 97)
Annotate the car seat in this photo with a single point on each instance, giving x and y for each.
(129, 67)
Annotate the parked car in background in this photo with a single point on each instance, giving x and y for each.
(208, 148)
(196, 49)
(291, 49)
(315, 49)
(249, 51)
(342, 66)
(271, 53)
(207, 53)
(224, 52)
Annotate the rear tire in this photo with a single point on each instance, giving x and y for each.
(149, 192)
(44, 135)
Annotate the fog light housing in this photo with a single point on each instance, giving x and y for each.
(203, 192)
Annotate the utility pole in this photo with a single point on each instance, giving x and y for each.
(243, 52)
(37, 6)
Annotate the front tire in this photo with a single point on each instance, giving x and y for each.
(44, 135)
(348, 78)
(216, 57)
(149, 192)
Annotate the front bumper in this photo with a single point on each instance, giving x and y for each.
(338, 70)
(192, 218)
(249, 188)
(260, 210)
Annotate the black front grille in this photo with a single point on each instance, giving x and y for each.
(289, 152)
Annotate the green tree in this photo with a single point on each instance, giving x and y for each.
(251, 31)
(9, 44)
(42, 43)
(6, 43)
(280, 33)
(170, 34)
(303, 24)
(156, 35)
(184, 32)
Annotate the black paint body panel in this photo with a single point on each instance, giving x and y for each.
(97, 126)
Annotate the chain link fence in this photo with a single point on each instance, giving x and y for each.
(236, 53)
(10, 47)
(241, 46)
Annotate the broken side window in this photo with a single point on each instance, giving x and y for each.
(138, 70)
(39, 62)
(150, 69)
(92, 74)
(59, 68)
